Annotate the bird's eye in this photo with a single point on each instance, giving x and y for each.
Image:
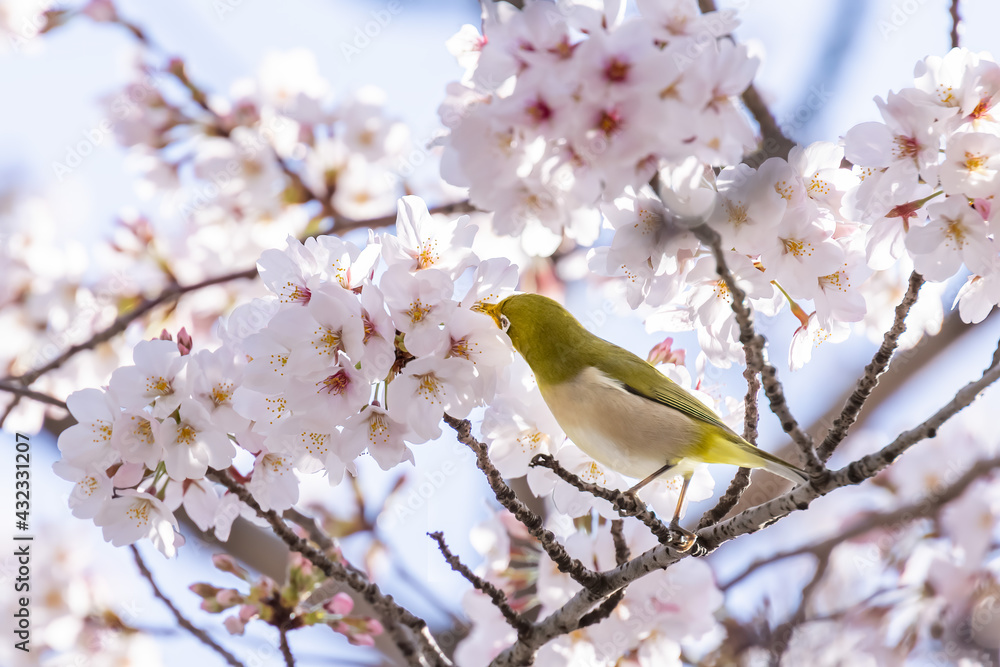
(504, 323)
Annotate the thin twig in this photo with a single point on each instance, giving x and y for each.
(751, 418)
(198, 633)
(773, 142)
(782, 635)
(740, 483)
(499, 598)
(120, 324)
(394, 616)
(286, 650)
(754, 343)
(878, 365)
(312, 528)
(556, 551)
(603, 610)
(657, 527)
(956, 21)
(22, 392)
(622, 552)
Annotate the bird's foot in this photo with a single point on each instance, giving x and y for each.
(683, 537)
(628, 504)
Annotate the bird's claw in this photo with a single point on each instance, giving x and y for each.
(683, 537)
(628, 504)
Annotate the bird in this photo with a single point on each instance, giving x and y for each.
(617, 407)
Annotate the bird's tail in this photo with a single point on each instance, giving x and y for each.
(772, 463)
(742, 453)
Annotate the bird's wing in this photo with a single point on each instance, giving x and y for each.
(646, 381)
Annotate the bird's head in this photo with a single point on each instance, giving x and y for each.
(539, 328)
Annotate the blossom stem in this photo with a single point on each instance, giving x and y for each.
(797, 310)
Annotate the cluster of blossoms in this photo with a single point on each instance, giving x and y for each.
(807, 229)
(346, 357)
(563, 105)
(226, 177)
(931, 174)
(299, 603)
(579, 111)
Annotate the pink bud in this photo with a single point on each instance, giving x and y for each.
(234, 625)
(361, 640)
(184, 341)
(227, 563)
(203, 590)
(374, 627)
(248, 612)
(100, 10)
(229, 597)
(340, 604)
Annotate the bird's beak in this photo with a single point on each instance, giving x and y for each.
(491, 309)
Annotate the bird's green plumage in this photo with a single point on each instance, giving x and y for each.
(559, 349)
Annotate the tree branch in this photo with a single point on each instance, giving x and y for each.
(622, 554)
(286, 650)
(395, 616)
(956, 21)
(657, 527)
(754, 344)
(120, 324)
(925, 507)
(566, 563)
(499, 598)
(198, 633)
(34, 395)
(878, 365)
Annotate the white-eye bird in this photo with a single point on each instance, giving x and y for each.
(616, 406)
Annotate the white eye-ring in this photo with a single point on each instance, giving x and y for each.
(504, 323)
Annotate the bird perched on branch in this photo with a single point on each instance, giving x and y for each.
(617, 407)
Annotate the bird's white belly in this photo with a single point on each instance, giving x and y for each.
(625, 432)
